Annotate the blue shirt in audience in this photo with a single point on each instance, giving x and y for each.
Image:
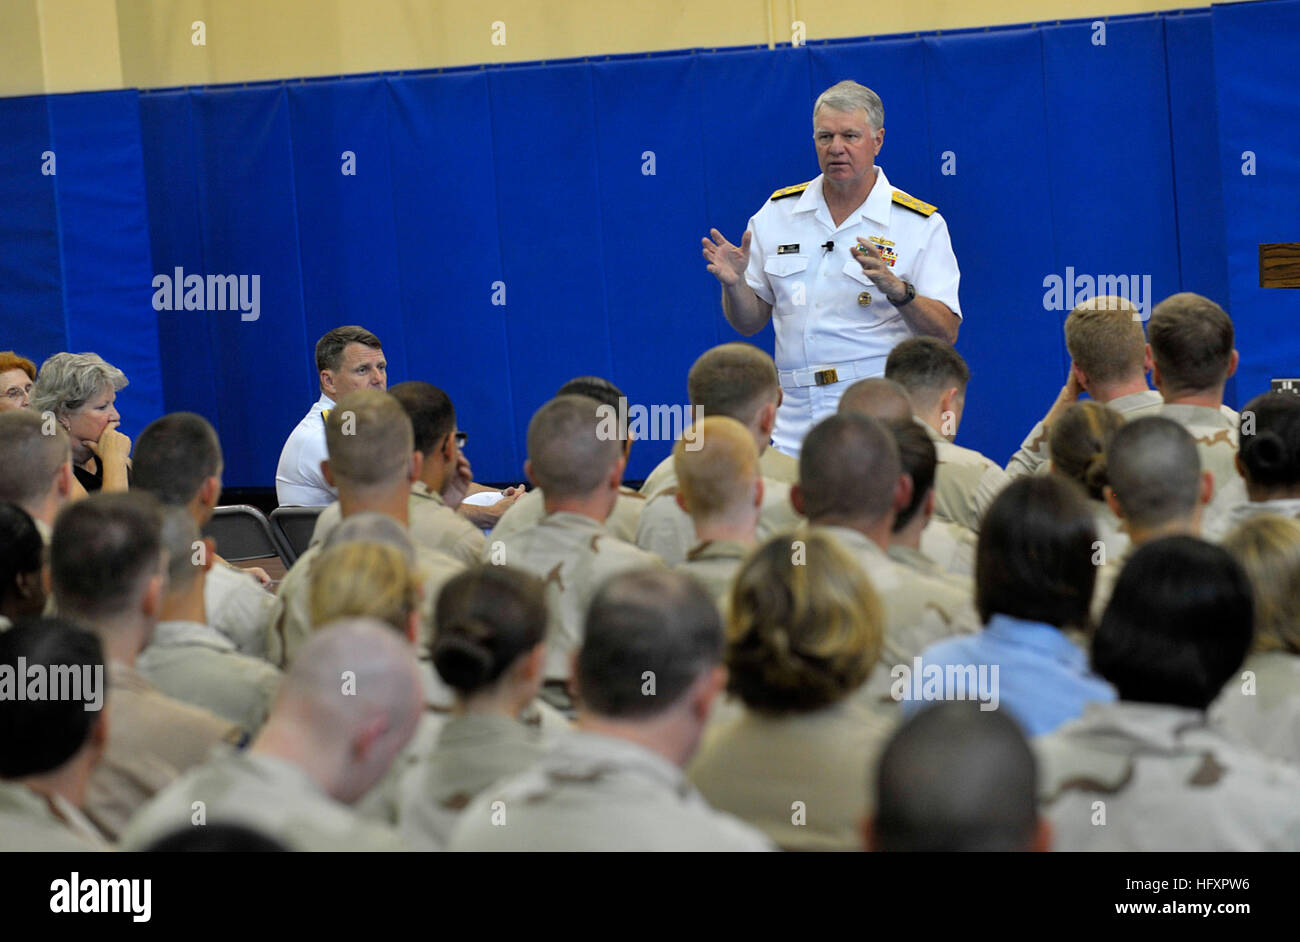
(1042, 677)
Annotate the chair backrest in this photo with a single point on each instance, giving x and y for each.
(242, 532)
(293, 527)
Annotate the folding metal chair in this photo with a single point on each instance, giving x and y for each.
(242, 532)
(293, 527)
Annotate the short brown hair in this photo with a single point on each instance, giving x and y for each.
(878, 398)
(801, 635)
(9, 360)
(848, 468)
(30, 457)
(567, 454)
(720, 473)
(1154, 468)
(103, 552)
(925, 366)
(369, 438)
(1104, 338)
(329, 349)
(734, 379)
(1078, 441)
(1191, 342)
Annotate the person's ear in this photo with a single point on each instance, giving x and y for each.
(767, 418)
(413, 626)
(796, 499)
(63, 479)
(417, 466)
(528, 472)
(1232, 364)
(713, 682)
(151, 603)
(758, 490)
(98, 738)
(209, 554)
(1113, 502)
(210, 491)
(1080, 376)
(866, 828)
(1207, 487)
(902, 492)
(1147, 363)
(1239, 465)
(327, 383)
(365, 738)
(1042, 840)
(680, 498)
(532, 665)
(575, 688)
(1156, 379)
(615, 480)
(327, 473)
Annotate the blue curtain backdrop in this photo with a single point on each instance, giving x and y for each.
(530, 184)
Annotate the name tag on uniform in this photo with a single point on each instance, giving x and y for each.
(787, 249)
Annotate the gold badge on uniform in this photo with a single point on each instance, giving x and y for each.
(864, 298)
(885, 248)
(787, 249)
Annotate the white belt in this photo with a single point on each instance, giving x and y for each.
(832, 373)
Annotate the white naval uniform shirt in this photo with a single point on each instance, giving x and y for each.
(298, 477)
(814, 292)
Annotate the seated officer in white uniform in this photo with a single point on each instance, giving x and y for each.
(845, 265)
(347, 358)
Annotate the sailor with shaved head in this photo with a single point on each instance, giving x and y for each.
(579, 473)
(739, 381)
(345, 709)
(36, 473)
(957, 778)
(1157, 487)
(720, 487)
(878, 398)
(373, 462)
(852, 485)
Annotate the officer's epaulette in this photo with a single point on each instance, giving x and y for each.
(790, 191)
(912, 203)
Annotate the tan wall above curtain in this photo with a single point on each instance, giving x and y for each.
(80, 45)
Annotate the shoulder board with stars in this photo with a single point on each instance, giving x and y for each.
(790, 191)
(912, 203)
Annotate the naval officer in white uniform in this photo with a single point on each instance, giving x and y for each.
(846, 265)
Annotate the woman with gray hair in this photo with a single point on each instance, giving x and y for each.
(79, 389)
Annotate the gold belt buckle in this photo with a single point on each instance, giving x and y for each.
(826, 377)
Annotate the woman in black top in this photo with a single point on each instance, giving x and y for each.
(78, 390)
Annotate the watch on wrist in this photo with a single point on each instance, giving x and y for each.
(909, 295)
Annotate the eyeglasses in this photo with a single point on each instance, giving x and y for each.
(461, 439)
(17, 392)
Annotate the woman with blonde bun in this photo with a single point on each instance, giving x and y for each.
(804, 632)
